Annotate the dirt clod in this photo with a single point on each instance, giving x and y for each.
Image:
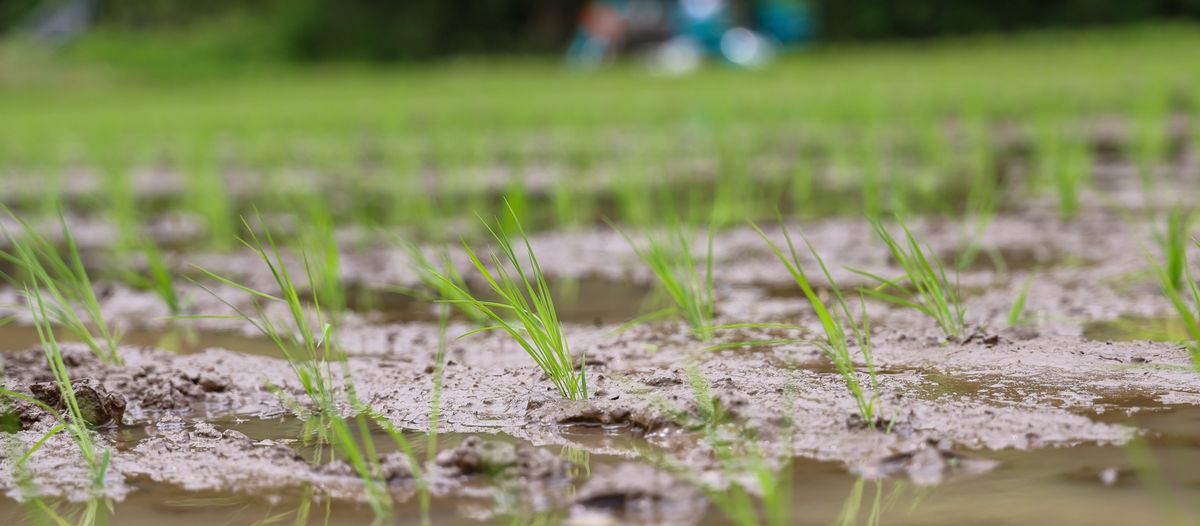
(639, 494)
(929, 464)
(97, 406)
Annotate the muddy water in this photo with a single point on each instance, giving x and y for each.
(588, 300)
(1133, 328)
(1010, 259)
(591, 301)
(1084, 484)
(182, 340)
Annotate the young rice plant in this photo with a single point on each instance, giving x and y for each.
(928, 291)
(835, 319)
(523, 293)
(307, 344)
(670, 258)
(74, 421)
(1188, 311)
(65, 282)
(443, 280)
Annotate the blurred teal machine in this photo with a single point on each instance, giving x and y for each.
(680, 34)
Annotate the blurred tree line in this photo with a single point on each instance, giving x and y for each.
(876, 19)
(383, 30)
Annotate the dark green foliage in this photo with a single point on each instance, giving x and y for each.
(373, 30)
(875, 19)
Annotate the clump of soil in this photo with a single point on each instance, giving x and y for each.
(638, 494)
(929, 464)
(97, 405)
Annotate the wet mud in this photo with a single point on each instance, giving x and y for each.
(180, 417)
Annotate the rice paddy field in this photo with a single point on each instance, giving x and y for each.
(928, 283)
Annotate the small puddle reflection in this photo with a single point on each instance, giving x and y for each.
(291, 431)
(1085, 484)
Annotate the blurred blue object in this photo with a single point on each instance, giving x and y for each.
(789, 22)
(704, 22)
(601, 27)
(693, 30)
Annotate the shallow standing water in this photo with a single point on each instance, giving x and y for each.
(1083, 484)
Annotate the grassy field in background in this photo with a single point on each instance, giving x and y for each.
(895, 127)
(1099, 70)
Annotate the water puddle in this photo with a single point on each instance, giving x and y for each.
(1112, 407)
(587, 301)
(178, 339)
(590, 300)
(1135, 328)
(155, 503)
(1008, 259)
(1085, 484)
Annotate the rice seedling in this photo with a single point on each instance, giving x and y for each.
(1173, 239)
(852, 506)
(40, 512)
(931, 141)
(413, 203)
(733, 200)
(516, 198)
(983, 201)
(670, 258)
(1070, 174)
(1152, 476)
(62, 276)
(73, 421)
(632, 189)
(1016, 313)
(352, 440)
(835, 320)
(308, 345)
(1150, 136)
(574, 205)
(157, 277)
(122, 198)
(442, 279)
(872, 189)
(207, 191)
(435, 401)
(767, 502)
(930, 291)
(523, 292)
(319, 238)
(633, 206)
(803, 184)
(1063, 162)
(306, 342)
(1188, 311)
